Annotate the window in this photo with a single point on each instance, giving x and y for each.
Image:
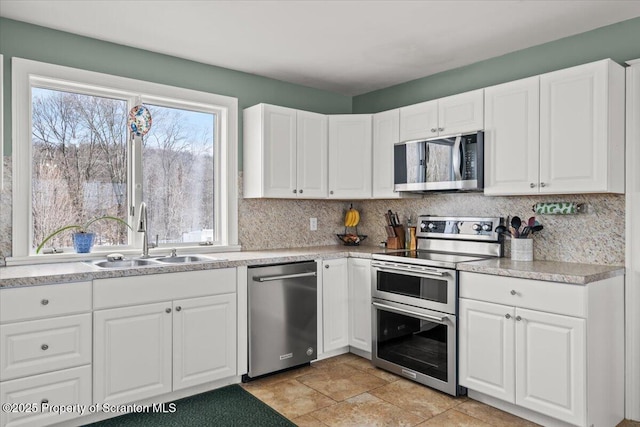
(75, 160)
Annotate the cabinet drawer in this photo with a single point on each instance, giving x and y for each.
(552, 297)
(135, 290)
(68, 387)
(39, 346)
(44, 301)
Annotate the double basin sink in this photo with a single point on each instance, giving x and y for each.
(157, 261)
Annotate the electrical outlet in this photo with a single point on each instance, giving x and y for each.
(313, 224)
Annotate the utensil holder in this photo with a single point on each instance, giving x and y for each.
(394, 243)
(522, 249)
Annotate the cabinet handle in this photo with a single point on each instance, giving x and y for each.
(331, 192)
(43, 401)
(300, 191)
(507, 316)
(168, 310)
(44, 347)
(433, 130)
(44, 301)
(440, 129)
(295, 191)
(513, 292)
(178, 308)
(542, 184)
(532, 185)
(518, 318)
(326, 266)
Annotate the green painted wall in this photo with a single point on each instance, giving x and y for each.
(620, 42)
(57, 47)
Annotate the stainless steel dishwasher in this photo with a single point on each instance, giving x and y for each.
(283, 316)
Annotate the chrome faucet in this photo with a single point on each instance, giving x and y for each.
(142, 228)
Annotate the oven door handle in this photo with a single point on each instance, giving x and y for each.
(457, 158)
(411, 272)
(397, 310)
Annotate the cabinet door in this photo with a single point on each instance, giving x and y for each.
(573, 129)
(204, 340)
(350, 156)
(386, 132)
(360, 303)
(280, 156)
(551, 365)
(461, 113)
(335, 304)
(313, 150)
(59, 388)
(419, 121)
(132, 353)
(486, 348)
(512, 137)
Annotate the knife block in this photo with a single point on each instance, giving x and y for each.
(398, 241)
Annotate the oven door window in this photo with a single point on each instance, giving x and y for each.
(417, 344)
(431, 289)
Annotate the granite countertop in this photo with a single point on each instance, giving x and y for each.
(40, 274)
(552, 271)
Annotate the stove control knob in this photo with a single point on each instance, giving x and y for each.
(476, 227)
(423, 225)
(486, 227)
(431, 226)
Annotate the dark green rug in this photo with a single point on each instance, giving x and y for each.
(228, 406)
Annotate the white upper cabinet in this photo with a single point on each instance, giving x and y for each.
(419, 121)
(461, 113)
(582, 129)
(285, 152)
(558, 133)
(312, 154)
(350, 156)
(512, 137)
(386, 132)
(445, 116)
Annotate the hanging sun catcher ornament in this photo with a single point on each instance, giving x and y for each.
(139, 120)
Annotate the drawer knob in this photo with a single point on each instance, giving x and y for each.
(433, 129)
(532, 185)
(507, 316)
(178, 308)
(168, 310)
(44, 301)
(513, 292)
(44, 401)
(326, 266)
(44, 347)
(518, 318)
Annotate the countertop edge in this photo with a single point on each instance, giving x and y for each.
(544, 270)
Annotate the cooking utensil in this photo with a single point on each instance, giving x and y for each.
(532, 221)
(516, 222)
(536, 228)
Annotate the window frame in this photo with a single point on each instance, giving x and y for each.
(28, 73)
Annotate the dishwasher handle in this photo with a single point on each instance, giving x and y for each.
(285, 276)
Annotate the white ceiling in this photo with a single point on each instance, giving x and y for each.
(348, 47)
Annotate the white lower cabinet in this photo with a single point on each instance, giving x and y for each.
(516, 345)
(204, 340)
(150, 349)
(38, 393)
(45, 357)
(360, 304)
(335, 304)
(346, 305)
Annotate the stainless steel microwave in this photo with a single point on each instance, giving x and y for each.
(449, 163)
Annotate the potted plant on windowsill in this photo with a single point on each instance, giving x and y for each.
(82, 237)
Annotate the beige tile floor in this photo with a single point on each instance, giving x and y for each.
(347, 390)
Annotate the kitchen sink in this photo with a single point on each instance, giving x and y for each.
(185, 259)
(125, 263)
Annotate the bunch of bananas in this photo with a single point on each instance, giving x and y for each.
(352, 217)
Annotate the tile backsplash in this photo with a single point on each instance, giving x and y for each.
(596, 236)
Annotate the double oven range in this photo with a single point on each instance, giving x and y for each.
(415, 298)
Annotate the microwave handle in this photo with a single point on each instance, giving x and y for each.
(457, 158)
(397, 310)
